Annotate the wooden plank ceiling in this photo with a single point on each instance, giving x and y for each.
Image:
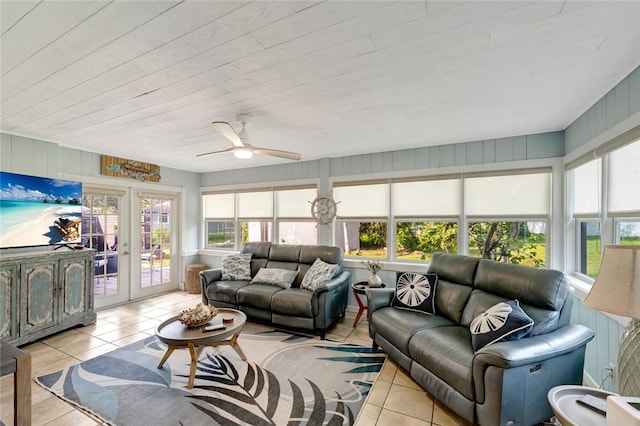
(145, 79)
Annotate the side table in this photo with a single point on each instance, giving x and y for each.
(563, 400)
(361, 298)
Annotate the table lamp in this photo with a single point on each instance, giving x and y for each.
(617, 291)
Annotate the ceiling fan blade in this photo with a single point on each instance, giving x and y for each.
(217, 152)
(277, 153)
(228, 132)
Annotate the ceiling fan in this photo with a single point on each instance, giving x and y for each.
(241, 147)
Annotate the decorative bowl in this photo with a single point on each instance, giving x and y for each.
(198, 315)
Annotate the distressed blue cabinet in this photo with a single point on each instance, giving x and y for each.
(8, 321)
(37, 296)
(44, 292)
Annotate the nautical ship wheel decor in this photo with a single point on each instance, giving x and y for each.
(323, 209)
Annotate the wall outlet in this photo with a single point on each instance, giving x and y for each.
(612, 369)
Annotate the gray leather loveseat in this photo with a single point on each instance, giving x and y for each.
(504, 383)
(293, 307)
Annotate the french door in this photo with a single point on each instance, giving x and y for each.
(157, 270)
(134, 236)
(105, 229)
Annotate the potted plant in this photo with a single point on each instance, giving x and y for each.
(374, 266)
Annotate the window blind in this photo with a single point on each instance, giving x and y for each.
(508, 195)
(586, 189)
(624, 179)
(362, 201)
(219, 206)
(255, 204)
(295, 203)
(426, 198)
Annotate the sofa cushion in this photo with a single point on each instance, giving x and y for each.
(237, 267)
(455, 282)
(415, 291)
(275, 276)
(541, 292)
(294, 302)
(319, 273)
(257, 296)
(502, 322)
(398, 325)
(225, 291)
(447, 353)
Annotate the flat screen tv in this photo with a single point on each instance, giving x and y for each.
(36, 211)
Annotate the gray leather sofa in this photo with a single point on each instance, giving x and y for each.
(292, 307)
(504, 383)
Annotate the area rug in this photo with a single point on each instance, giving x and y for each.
(288, 379)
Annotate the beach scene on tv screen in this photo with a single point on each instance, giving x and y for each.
(38, 211)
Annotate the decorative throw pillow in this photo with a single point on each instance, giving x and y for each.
(416, 292)
(275, 276)
(319, 273)
(236, 267)
(501, 322)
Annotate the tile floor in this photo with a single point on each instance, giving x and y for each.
(394, 400)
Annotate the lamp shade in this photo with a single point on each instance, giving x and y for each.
(617, 287)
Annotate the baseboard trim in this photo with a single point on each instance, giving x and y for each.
(587, 380)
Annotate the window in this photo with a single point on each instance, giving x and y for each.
(221, 234)
(220, 225)
(614, 218)
(362, 238)
(293, 209)
(235, 218)
(255, 211)
(624, 193)
(418, 207)
(255, 231)
(508, 217)
(361, 228)
(628, 232)
(589, 247)
(520, 242)
(417, 240)
(586, 180)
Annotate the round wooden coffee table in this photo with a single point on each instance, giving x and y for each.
(178, 336)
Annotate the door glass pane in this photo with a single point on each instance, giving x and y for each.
(156, 241)
(100, 231)
(511, 242)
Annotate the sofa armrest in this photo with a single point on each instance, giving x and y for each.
(340, 280)
(533, 349)
(207, 277)
(558, 355)
(378, 298)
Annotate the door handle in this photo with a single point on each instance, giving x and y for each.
(125, 253)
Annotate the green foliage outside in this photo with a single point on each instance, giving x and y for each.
(510, 242)
(417, 240)
(373, 235)
(217, 238)
(594, 252)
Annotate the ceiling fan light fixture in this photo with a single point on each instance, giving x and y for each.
(243, 153)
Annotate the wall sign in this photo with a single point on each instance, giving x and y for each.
(121, 167)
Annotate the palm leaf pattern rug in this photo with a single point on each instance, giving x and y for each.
(288, 379)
